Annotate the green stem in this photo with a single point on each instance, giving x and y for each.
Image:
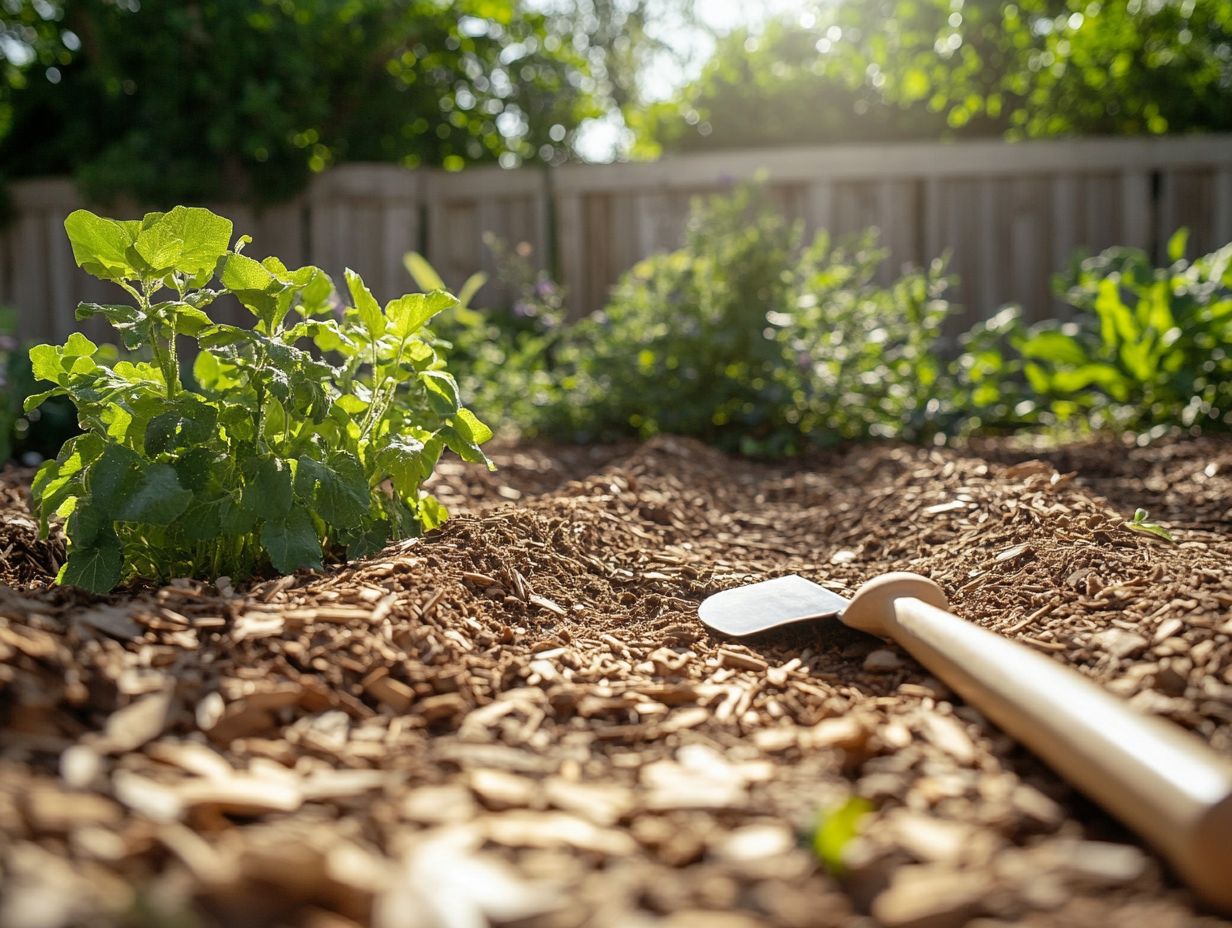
(164, 355)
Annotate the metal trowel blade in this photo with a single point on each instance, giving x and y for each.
(759, 607)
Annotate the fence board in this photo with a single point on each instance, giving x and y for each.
(1010, 214)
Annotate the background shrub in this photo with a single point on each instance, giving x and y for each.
(1148, 347)
(750, 340)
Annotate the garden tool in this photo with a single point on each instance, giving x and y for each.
(1158, 779)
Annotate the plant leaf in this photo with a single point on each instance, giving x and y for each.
(370, 315)
(157, 500)
(338, 491)
(369, 539)
(1140, 523)
(292, 542)
(267, 494)
(96, 567)
(836, 829)
(408, 313)
(100, 246)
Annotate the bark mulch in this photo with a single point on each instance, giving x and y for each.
(520, 721)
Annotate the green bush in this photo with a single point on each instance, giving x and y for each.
(1149, 347)
(282, 454)
(750, 340)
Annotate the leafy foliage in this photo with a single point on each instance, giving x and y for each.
(506, 354)
(749, 339)
(895, 69)
(309, 434)
(1148, 348)
(167, 102)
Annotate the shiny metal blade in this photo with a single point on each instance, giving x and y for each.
(758, 607)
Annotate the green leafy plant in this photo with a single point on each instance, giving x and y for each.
(750, 340)
(1141, 523)
(1147, 349)
(307, 435)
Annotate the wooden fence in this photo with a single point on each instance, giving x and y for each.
(1009, 214)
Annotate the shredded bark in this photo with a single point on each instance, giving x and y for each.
(520, 719)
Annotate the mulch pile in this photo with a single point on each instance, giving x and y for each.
(520, 721)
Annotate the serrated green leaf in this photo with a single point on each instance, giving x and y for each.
(45, 363)
(235, 517)
(88, 521)
(189, 422)
(267, 494)
(292, 542)
(189, 320)
(114, 475)
(100, 246)
(196, 466)
(78, 346)
(337, 490)
(369, 310)
(134, 326)
(405, 460)
(239, 272)
(158, 499)
(203, 520)
(442, 392)
(35, 400)
(409, 313)
(316, 293)
(463, 436)
(369, 539)
(95, 568)
(469, 426)
(253, 285)
(61, 477)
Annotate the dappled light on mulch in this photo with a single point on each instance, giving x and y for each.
(520, 720)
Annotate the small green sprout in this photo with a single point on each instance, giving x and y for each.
(836, 827)
(1140, 523)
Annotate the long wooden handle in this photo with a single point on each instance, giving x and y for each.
(1158, 779)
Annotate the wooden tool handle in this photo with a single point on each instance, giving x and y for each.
(1158, 779)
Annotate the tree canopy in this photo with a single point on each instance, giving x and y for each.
(864, 70)
(167, 101)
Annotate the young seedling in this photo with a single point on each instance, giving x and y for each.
(1139, 523)
(836, 828)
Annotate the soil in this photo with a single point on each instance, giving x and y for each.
(519, 719)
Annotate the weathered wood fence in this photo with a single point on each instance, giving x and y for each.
(1010, 215)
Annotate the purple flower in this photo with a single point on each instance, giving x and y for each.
(523, 310)
(544, 288)
(8, 343)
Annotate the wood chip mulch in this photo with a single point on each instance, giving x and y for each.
(520, 721)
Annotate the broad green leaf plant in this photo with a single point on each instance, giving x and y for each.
(307, 435)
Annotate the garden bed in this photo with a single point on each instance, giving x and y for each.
(519, 719)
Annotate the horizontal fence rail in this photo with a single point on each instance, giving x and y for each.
(1010, 215)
